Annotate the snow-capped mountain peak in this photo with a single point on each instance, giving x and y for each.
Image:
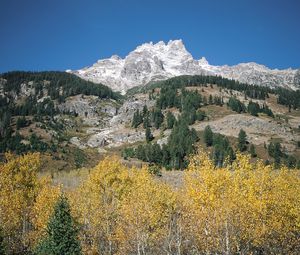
(158, 61)
(202, 61)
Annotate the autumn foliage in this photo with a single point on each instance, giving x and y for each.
(241, 208)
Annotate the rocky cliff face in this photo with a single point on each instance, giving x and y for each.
(150, 62)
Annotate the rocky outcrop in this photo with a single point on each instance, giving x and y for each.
(259, 130)
(115, 137)
(126, 111)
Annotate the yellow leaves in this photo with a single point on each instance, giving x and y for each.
(120, 207)
(19, 187)
(259, 205)
(96, 202)
(43, 209)
(144, 213)
(240, 208)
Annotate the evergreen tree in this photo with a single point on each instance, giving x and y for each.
(158, 118)
(180, 144)
(149, 136)
(236, 105)
(275, 151)
(253, 108)
(170, 120)
(145, 110)
(291, 161)
(137, 119)
(146, 121)
(208, 136)
(210, 99)
(21, 122)
(200, 115)
(252, 151)
(61, 232)
(230, 154)
(140, 153)
(242, 140)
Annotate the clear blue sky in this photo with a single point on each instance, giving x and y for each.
(70, 34)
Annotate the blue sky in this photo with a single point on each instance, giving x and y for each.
(69, 34)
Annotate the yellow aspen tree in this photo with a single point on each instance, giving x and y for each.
(243, 208)
(207, 205)
(19, 187)
(96, 202)
(145, 214)
(42, 210)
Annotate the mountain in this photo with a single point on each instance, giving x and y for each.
(152, 62)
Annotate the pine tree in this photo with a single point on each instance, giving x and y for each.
(277, 154)
(275, 151)
(137, 119)
(210, 99)
(149, 136)
(61, 232)
(170, 120)
(146, 121)
(157, 117)
(252, 151)
(208, 136)
(242, 140)
(145, 110)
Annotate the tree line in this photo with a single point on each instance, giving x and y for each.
(58, 84)
(287, 97)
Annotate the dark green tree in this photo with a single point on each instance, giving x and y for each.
(275, 151)
(291, 161)
(230, 154)
(61, 232)
(200, 115)
(79, 158)
(242, 140)
(210, 99)
(148, 134)
(145, 110)
(21, 122)
(157, 117)
(208, 136)
(236, 105)
(141, 153)
(252, 151)
(137, 119)
(170, 120)
(146, 121)
(253, 108)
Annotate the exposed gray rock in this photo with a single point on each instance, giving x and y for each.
(115, 137)
(89, 106)
(76, 141)
(160, 61)
(258, 130)
(126, 111)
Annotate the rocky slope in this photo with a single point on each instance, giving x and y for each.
(150, 62)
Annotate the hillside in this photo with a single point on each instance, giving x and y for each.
(74, 123)
(39, 110)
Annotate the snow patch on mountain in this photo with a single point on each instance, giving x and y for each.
(159, 61)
